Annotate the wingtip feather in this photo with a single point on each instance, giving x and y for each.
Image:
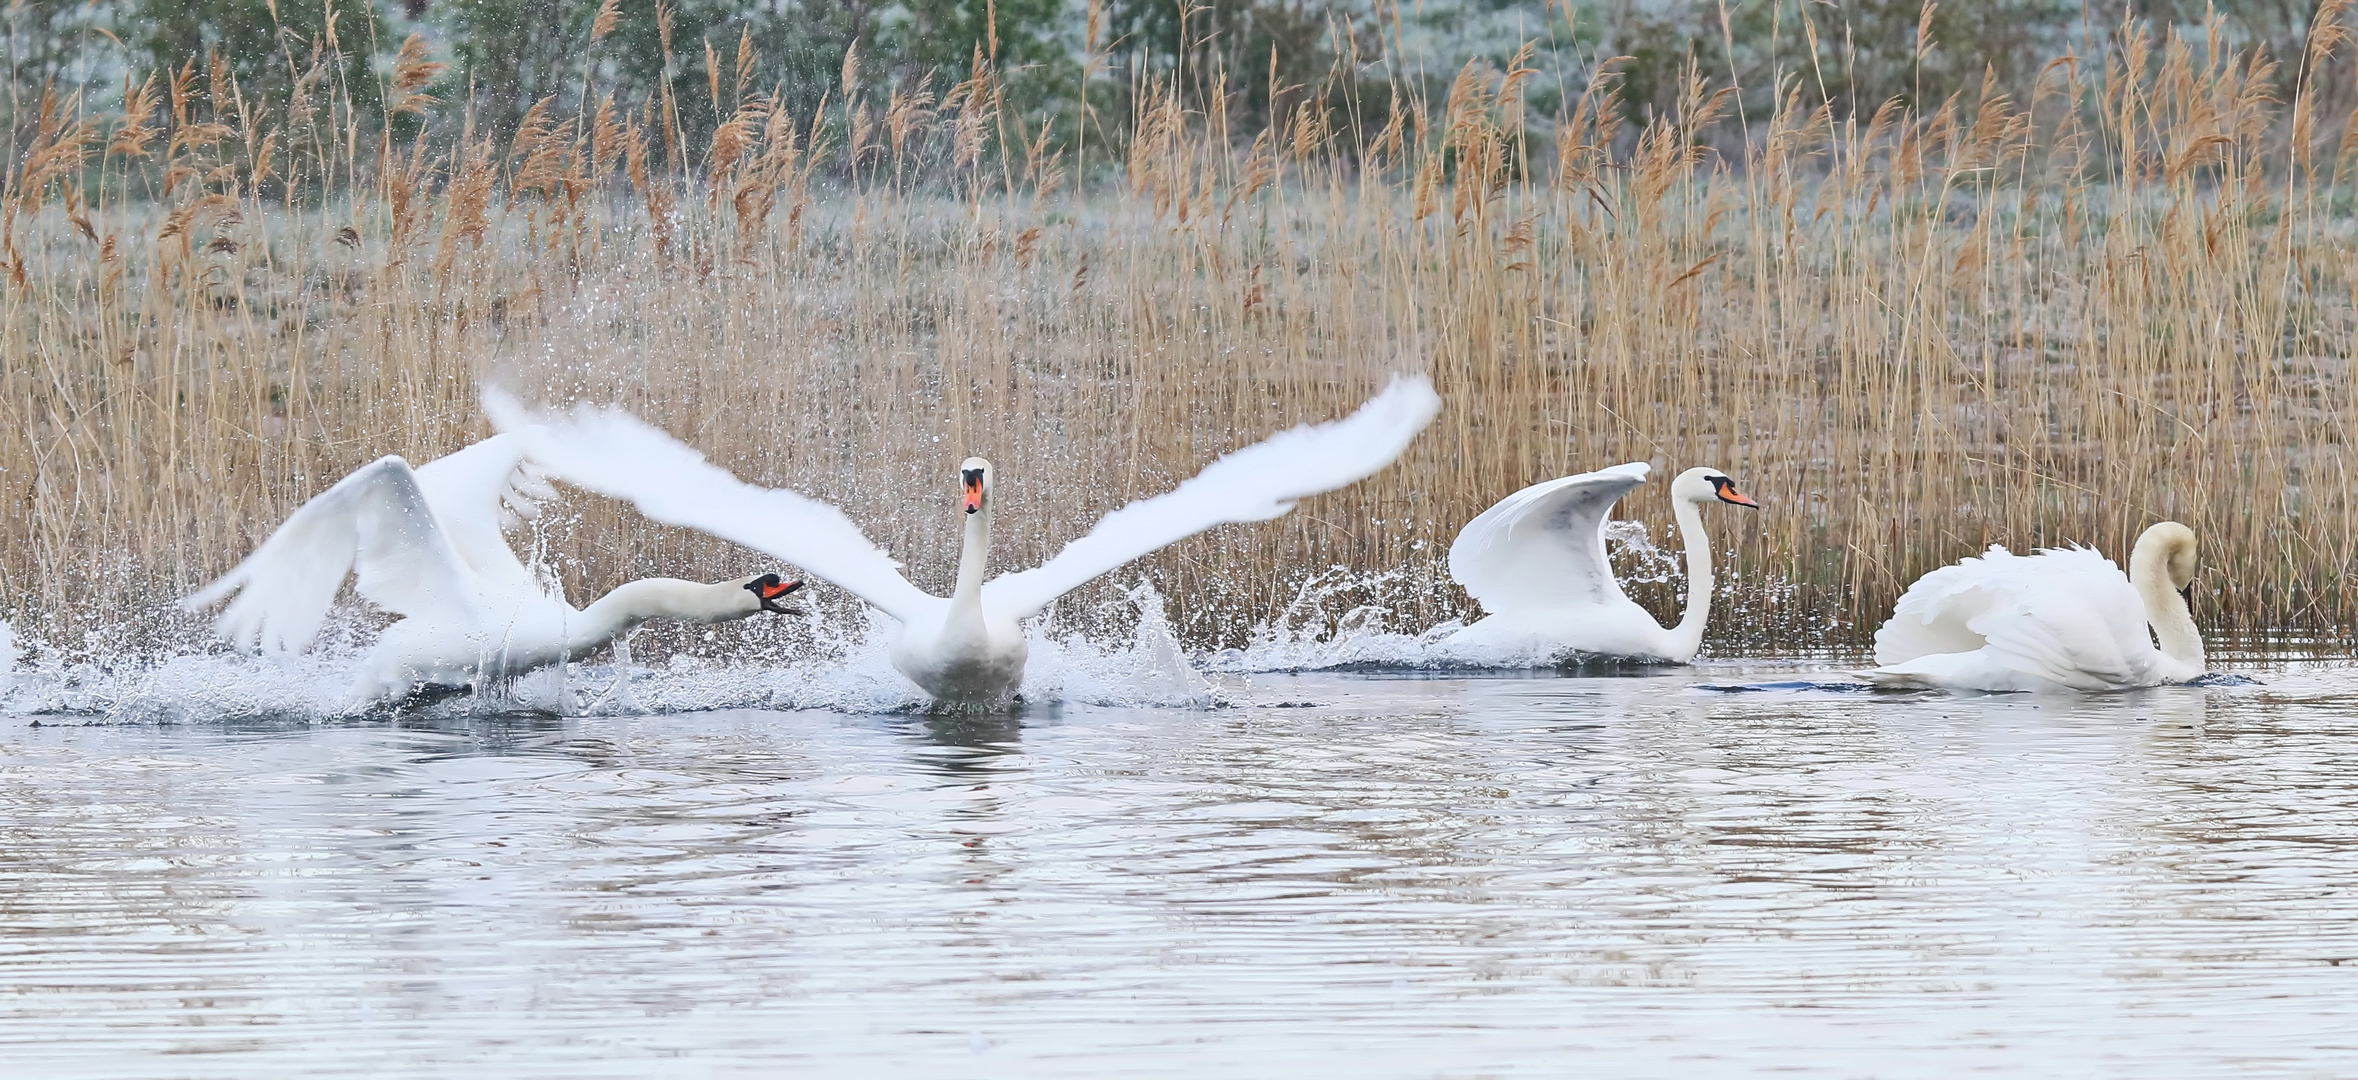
(505, 412)
(211, 594)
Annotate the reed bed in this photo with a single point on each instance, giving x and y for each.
(2030, 320)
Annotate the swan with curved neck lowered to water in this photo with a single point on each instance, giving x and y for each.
(428, 544)
(2060, 619)
(1536, 562)
(968, 646)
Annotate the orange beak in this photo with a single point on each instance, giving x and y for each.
(973, 494)
(1730, 494)
(768, 590)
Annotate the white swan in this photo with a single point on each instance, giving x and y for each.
(427, 544)
(1536, 562)
(2060, 619)
(969, 646)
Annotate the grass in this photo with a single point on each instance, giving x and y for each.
(2124, 296)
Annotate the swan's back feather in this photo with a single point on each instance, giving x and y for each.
(376, 522)
(614, 453)
(1544, 546)
(2063, 616)
(1257, 483)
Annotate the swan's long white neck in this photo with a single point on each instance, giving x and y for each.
(974, 557)
(632, 603)
(2165, 607)
(1687, 636)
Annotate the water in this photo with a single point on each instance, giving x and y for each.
(1343, 874)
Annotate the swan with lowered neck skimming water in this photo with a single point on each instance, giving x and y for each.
(428, 544)
(2059, 619)
(967, 647)
(1536, 561)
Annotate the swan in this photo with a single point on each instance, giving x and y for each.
(427, 544)
(2060, 619)
(1536, 562)
(967, 647)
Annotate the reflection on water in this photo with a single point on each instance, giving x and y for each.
(1434, 876)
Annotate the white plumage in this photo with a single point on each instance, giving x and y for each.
(1536, 562)
(428, 544)
(968, 646)
(1545, 545)
(2060, 619)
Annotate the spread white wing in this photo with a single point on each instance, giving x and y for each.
(477, 493)
(1257, 483)
(2068, 616)
(378, 523)
(1544, 546)
(614, 453)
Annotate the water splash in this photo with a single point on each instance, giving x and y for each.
(1304, 637)
(834, 663)
(1368, 634)
(1636, 558)
(9, 654)
(1145, 667)
(617, 700)
(173, 689)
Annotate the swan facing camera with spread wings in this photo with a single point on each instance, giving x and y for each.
(1536, 562)
(2059, 619)
(429, 545)
(968, 646)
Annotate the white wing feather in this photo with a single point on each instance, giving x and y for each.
(475, 494)
(1544, 546)
(1256, 483)
(618, 455)
(376, 522)
(2067, 616)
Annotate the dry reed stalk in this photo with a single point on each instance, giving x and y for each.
(1910, 334)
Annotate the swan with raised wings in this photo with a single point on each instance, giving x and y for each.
(1536, 562)
(428, 544)
(968, 646)
(2060, 619)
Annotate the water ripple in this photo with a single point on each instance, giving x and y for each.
(1413, 877)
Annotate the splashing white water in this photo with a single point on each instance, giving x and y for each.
(1305, 637)
(1150, 668)
(834, 663)
(843, 665)
(1635, 556)
(9, 654)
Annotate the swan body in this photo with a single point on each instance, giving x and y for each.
(961, 649)
(428, 544)
(2060, 619)
(967, 647)
(1536, 562)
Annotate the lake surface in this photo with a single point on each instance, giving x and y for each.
(1343, 875)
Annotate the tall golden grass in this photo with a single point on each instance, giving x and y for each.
(2124, 296)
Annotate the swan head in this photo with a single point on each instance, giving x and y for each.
(2169, 547)
(974, 481)
(1706, 485)
(769, 591)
